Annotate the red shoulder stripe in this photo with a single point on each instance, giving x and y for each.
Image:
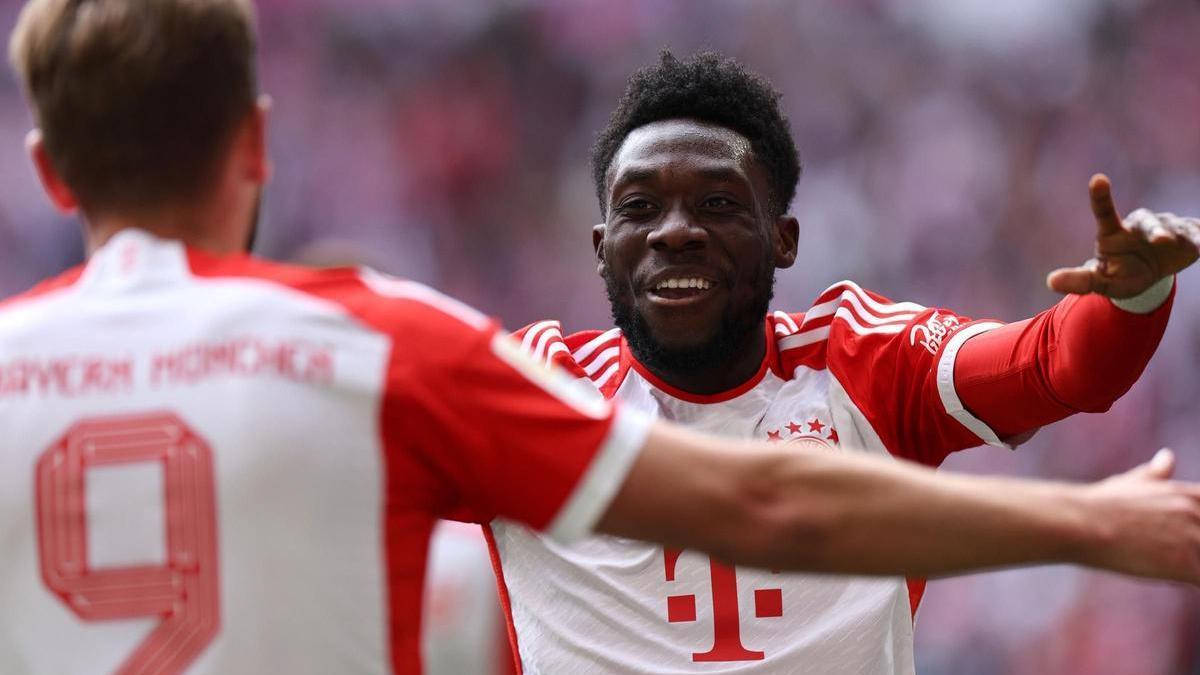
(544, 342)
(58, 283)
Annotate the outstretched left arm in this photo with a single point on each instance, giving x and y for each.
(1087, 351)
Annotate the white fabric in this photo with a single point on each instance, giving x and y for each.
(298, 482)
(461, 627)
(945, 382)
(596, 489)
(1148, 300)
(600, 606)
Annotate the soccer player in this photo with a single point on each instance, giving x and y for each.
(695, 173)
(215, 464)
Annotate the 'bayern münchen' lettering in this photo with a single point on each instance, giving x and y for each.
(247, 356)
(66, 376)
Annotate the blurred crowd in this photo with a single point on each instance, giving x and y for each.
(947, 146)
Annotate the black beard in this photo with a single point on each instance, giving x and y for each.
(736, 331)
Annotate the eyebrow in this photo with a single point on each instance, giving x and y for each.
(639, 175)
(633, 176)
(722, 173)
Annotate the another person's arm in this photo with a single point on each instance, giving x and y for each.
(475, 429)
(773, 507)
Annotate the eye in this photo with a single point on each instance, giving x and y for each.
(718, 202)
(636, 207)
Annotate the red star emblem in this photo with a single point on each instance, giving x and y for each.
(815, 426)
(794, 428)
(773, 436)
(833, 435)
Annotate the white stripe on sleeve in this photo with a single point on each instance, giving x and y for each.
(601, 480)
(949, 395)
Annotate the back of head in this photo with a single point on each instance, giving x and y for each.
(136, 99)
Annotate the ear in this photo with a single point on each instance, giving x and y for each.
(257, 160)
(787, 234)
(598, 231)
(56, 188)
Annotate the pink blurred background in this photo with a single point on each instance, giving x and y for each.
(947, 147)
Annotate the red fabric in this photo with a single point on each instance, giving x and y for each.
(892, 379)
(464, 433)
(1079, 356)
(58, 283)
(510, 626)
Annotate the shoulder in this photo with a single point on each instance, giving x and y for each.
(845, 315)
(44, 290)
(397, 307)
(590, 354)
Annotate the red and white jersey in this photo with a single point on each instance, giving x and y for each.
(854, 372)
(215, 465)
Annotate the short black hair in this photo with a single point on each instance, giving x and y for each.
(709, 88)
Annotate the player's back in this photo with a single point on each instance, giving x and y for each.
(191, 475)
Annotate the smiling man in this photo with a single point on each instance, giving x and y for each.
(695, 174)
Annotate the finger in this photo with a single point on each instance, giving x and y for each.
(1103, 208)
(1152, 228)
(1160, 467)
(1186, 228)
(1139, 221)
(1075, 281)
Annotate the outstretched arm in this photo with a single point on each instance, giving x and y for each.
(1087, 351)
(845, 513)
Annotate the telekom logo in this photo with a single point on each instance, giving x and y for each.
(727, 631)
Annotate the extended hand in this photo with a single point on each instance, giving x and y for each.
(1131, 255)
(1152, 523)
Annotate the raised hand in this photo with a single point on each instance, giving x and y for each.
(1131, 255)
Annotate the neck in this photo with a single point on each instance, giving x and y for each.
(742, 363)
(195, 228)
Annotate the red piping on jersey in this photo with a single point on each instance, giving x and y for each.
(770, 362)
(61, 282)
(502, 592)
(916, 590)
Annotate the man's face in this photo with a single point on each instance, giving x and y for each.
(689, 250)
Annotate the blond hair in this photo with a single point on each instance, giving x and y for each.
(136, 99)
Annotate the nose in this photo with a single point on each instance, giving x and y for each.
(677, 232)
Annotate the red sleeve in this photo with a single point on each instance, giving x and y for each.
(506, 436)
(885, 355)
(930, 382)
(1079, 356)
(543, 341)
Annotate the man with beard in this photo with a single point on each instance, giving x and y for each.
(695, 173)
(210, 463)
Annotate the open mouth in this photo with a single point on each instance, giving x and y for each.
(681, 288)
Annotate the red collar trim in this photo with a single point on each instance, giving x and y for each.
(769, 362)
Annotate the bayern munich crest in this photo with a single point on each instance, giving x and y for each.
(815, 433)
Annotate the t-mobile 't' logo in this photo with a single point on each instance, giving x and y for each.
(727, 632)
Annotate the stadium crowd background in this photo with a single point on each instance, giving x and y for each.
(947, 146)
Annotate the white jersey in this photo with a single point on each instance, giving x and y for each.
(217, 465)
(463, 629)
(856, 371)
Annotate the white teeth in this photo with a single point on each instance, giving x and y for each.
(694, 282)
